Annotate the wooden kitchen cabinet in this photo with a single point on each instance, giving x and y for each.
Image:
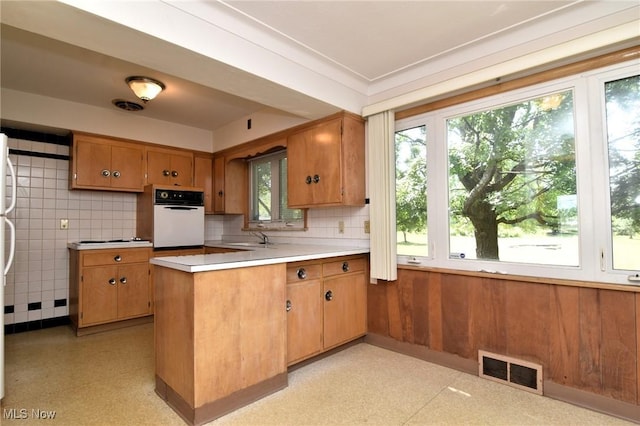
(169, 167)
(326, 163)
(108, 286)
(326, 305)
(203, 178)
(229, 185)
(304, 311)
(98, 162)
(345, 295)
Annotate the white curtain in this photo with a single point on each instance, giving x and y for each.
(382, 195)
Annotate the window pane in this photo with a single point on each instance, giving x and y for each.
(286, 213)
(261, 191)
(623, 137)
(512, 183)
(411, 192)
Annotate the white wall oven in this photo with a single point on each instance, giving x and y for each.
(171, 217)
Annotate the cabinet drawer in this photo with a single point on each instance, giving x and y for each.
(299, 272)
(110, 257)
(343, 266)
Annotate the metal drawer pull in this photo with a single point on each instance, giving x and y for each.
(112, 281)
(308, 180)
(123, 280)
(316, 178)
(328, 295)
(116, 174)
(288, 305)
(345, 267)
(117, 258)
(105, 173)
(166, 172)
(302, 273)
(174, 173)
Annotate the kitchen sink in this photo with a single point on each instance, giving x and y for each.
(249, 244)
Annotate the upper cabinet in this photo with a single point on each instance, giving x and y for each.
(169, 167)
(229, 185)
(107, 164)
(326, 163)
(203, 178)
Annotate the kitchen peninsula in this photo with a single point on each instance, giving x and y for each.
(227, 324)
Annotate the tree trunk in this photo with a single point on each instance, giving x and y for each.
(485, 224)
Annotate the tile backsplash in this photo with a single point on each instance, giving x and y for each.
(38, 282)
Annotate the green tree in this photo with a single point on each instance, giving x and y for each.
(508, 166)
(623, 128)
(411, 182)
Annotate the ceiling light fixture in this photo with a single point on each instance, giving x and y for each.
(144, 87)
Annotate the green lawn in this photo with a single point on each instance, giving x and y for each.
(548, 250)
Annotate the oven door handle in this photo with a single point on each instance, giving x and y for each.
(180, 208)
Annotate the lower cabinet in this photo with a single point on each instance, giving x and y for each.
(326, 305)
(109, 285)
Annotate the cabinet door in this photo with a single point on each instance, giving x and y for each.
(99, 295)
(304, 319)
(133, 290)
(345, 307)
(181, 165)
(218, 185)
(158, 168)
(92, 164)
(314, 162)
(203, 178)
(127, 164)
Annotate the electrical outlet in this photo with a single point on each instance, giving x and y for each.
(341, 227)
(64, 223)
(367, 227)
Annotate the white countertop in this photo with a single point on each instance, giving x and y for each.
(253, 255)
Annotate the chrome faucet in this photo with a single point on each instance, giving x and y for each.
(263, 237)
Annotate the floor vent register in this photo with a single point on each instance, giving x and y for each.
(510, 371)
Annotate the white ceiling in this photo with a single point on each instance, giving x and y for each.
(222, 61)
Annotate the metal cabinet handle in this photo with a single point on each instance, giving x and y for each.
(166, 172)
(174, 173)
(105, 173)
(289, 306)
(345, 267)
(302, 273)
(116, 174)
(316, 178)
(308, 180)
(112, 281)
(118, 258)
(123, 280)
(328, 295)
(220, 193)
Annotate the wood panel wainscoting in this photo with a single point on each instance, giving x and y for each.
(587, 338)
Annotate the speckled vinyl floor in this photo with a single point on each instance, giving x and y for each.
(108, 379)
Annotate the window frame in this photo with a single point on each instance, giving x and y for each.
(595, 257)
(273, 159)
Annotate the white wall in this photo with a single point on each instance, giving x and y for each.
(263, 123)
(41, 110)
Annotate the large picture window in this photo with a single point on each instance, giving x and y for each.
(512, 183)
(623, 140)
(542, 181)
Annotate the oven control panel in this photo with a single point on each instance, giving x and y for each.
(177, 197)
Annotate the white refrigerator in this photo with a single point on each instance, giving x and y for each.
(7, 240)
